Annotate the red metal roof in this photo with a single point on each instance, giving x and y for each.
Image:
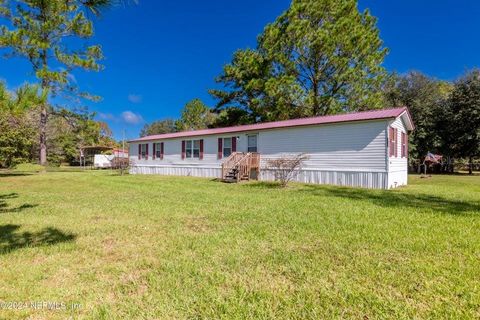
(347, 117)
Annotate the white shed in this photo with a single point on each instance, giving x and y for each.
(364, 149)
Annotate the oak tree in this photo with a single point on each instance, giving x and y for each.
(319, 57)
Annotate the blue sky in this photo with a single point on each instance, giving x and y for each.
(161, 54)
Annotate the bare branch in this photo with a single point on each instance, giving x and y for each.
(287, 167)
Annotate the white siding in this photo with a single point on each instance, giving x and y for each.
(356, 146)
(397, 166)
(352, 154)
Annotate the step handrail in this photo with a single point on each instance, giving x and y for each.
(229, 162)
(244, 162)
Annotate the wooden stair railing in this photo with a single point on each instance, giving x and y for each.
(239, 165)
(229, 163)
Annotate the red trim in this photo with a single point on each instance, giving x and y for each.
(183, 149)
(201, 149)
(406, 145)
(396, 142)
(234, 144)
(161, 150)
(392, 140)
(220, 148)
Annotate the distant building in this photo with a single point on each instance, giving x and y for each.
(106, 160)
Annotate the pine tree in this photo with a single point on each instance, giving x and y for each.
(319, 57)
(37, 30)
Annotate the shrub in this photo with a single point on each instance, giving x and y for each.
(286, 168)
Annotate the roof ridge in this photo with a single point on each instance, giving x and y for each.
(344, 117)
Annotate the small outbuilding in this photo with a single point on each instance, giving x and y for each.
(364, 149)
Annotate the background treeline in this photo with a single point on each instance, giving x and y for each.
(319, 57)
(325, 57)
(446, 116)
(67, 130)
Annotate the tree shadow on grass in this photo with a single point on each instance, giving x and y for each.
(396, 199)
(4, 208)
(5, 174)
(264, 185)
(11, 195)
(11, 239)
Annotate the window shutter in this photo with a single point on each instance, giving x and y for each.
(161, 150)
(234, 144)
(390, 141)
(201, 149)
(139, 151)
(406, 145)
(393, 142)
(146, 152)
(154, 150)
(402, 144)
(183, 149)
(396, 141)
(220, 148)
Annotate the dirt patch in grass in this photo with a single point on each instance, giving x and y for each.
(198, 224)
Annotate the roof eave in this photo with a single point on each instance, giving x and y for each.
(406, 115)
(260, 129)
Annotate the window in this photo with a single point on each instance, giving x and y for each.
(252, 143)
(158, 150)
(393, 144)
(143, 151)
(192, 149)
(227, 147)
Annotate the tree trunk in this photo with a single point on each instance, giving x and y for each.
(43, 136)
(316, 104)
(43, 111)
(470, 165)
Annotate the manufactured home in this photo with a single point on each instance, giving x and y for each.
(364, 149)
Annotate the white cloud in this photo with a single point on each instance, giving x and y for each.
(106, 116)
(70, 76)
(131, 118)
(134, 98)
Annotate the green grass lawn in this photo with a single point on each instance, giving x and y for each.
(158, 247)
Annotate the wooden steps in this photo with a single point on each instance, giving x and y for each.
(239, 165)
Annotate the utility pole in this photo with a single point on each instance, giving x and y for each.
(123, 166)
(123, 143)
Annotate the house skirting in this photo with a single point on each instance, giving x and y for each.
(191, 171)
(397, 178)
(372, 180)
(363, 179)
